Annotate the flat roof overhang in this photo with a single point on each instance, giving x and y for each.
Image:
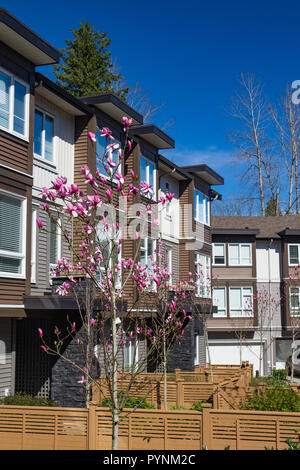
(153, 135)
(232, 231)
(61, 98)
(26, 42)
(171, 168)
(289, 231)
(113, 106)
(205, 173)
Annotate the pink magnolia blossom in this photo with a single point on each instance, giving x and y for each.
(40, 332)
(39, 222)
(92, 136)
(126, 123)
(106, 132)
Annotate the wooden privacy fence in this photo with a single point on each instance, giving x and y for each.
(248, 430)
(32, 428)
(183, 388)
(231, 393)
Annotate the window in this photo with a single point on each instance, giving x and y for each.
(147, 255)
(294, 251)
(12, 235)
(202, 268)
(147, 174)
(33, 247)
(219, 300)
(130, 355)
(168, 261)
(55, 242)
(102, 166)
(239, 254)
(14, 104)
(196, 350)
(295, 301)
(105, 243)
(43, 135)
(240, 299)
(219, 256)
(201, 207)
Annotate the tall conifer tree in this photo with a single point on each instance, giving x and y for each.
(87, 68)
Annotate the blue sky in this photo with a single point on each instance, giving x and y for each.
(186, 56)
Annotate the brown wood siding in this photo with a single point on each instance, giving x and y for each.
(14, 152)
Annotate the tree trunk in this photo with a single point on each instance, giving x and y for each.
(165, 375)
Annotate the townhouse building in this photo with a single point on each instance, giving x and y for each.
(255, 289)
(44, 134)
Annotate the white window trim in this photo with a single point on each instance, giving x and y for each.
(196, 346)
(33, 247)
(239, 263)
(132, 348)
(148, 160)
(215, 315)
(118, 281)
(296, 294)
(206, 208)
(42, 157)
(147, 256)
(207, 284)
(294, 244)
(22, 254)
(10, 129)
(115, 141)
(242, 306)
(213, 256)
(58, 254)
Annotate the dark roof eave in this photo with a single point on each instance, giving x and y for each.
(57, 90)
(174, 167)
(31, 37)
(152, 130)
(111, 98)
(203, 168)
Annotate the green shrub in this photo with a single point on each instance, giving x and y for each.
(179, 407)
(197, 406)
(273, 399)
(277, 379)
(131, 402)
(23, 399)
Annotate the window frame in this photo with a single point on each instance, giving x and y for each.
(119, 168)
(22, 254)
(239, 255)
(149, 161)
(213, 255)
(33, 245)
(215, 315)
(290, 299)
(11, 97)
(206, 208)
(133, 353)
(119, 254)
(242, 299)
(289, 255)
(198, 280)
(59, 247)
(196, 349)
(42, 158)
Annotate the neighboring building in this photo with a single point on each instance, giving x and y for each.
(44, 134)
(254, 256)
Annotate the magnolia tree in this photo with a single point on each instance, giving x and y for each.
(95, 225)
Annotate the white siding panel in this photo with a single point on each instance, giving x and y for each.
(6, 357)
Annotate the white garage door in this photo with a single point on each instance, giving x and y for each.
(229, 353)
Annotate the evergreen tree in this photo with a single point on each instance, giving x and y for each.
(87, 68)
(271, 208)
